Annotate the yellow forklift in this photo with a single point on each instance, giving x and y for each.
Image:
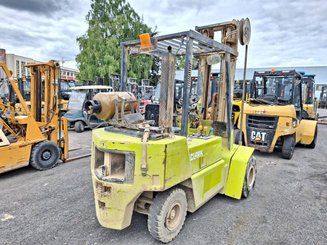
(24, 86)
(308, 96)
(165, 171)
(273, 115)
(39, 137)
(237, 99)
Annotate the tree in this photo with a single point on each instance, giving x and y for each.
(155, 69)
(180, 63)
(110, 22)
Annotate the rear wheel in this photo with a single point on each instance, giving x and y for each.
(313, 144)
(79, 126)
(167, 215)
(45, 155)
(288, 147)
(250, 177)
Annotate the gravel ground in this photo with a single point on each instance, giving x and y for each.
(287, 206)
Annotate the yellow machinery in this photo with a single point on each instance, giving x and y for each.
(237, 99)
(274, 116)
(24, 86)
(308, 96)
(322, 103)
(165, 172)
(237, 107)
(40, 136)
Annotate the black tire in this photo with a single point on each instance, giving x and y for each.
(250, 177)
(288, 147)
(170, 203)
(79, 126)
(314, 142)
(237, 136)
(45, 155)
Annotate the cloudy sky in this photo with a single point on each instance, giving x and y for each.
(284, 33)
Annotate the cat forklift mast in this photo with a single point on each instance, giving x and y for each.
(165, 171)
(323, 97)
(308, 95)
(40, 136)
(237, 99)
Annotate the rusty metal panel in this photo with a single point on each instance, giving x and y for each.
(167, 92)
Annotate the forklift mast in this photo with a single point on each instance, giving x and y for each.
(201, 45)
(44, 88)
(222, 101)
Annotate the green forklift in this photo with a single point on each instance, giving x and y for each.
(164, 171)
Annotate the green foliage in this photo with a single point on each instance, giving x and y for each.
(155, 69)
(110, 22)
(180, 63)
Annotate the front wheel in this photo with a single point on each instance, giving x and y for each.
(79, 126)
(167, 214)
(250, 177)
(45, 155)
(288, 147)
(313, 144)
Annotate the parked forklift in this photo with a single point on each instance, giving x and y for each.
(145, 93)
(237, 99)
(308, 96)
(165, 172)
(274, 116)
(40, 136)
(24, 85)
(132, 86)
(323, 97)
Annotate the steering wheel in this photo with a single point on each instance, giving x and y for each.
(194, 99)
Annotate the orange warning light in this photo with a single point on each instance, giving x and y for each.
(145, 40)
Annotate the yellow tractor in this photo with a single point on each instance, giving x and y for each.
(39, 137)
(308, 96)
(166, 171)
(274, 117)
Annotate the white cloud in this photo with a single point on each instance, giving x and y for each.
(44, 35)
(284, 33)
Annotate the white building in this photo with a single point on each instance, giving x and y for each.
(17, 63)
(69, 73)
